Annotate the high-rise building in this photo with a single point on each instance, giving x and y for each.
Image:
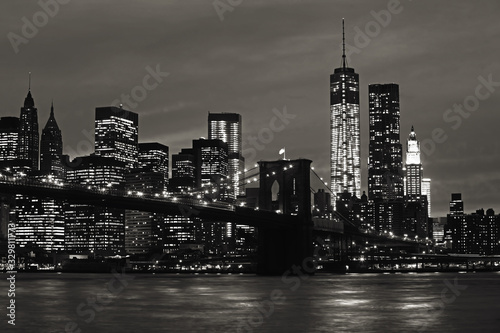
(456, 204)
(9, 131)
(143, 230)
(413, 166)
(154, 157)
(211, 170)
(92, 229)
(183, 171)
(39, 223)
(51, 147)
(29, 140)
(116, 134)
(426, 190)
(227, 127)
(476, 233)
(211, 161)
(345, 163)
(385, 169)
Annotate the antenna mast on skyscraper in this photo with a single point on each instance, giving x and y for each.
(29, 81)
(343, 46)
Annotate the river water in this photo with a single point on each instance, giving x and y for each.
(427, 302)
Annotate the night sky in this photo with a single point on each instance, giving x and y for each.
(267, 55)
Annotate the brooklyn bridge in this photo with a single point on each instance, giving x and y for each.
(287, 236)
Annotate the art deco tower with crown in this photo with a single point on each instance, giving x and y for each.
(51, 147)
(345, 163)
(28, 140)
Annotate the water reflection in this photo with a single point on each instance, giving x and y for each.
(209, 303)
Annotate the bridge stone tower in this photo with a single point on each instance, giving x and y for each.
(285, 188)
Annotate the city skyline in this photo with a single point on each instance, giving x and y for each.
(305, 57)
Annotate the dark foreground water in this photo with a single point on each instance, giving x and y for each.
(434, 302)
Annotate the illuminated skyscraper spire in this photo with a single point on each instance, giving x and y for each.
(29, 140)
(345, 164)
(344, 61)
(413, 168)
(51, 147)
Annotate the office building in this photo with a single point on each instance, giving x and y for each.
(51, 147)
(227, 127)
(385, 174)
(9, 131)
(345, 163)
(39, 223)
(116, 134)
(154, 157)
(211, 171)
(144, 230)
(413, 166)
(456, 204)
(29, 140)
(426, 190)
(92, 229)
(183, 171)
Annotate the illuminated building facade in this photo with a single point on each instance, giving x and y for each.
(345, 163)
(426, 190)
(211, 165)
(39, 223)
(29, 140)
(413, 166)
(456, 204)
(9, 131)
(211, 171)
(154, 157)
(116, 134)
(227, 127)
(476, 233)
(51, 147)
(385, 169)
(183, 171)
(91, 229)
(144, 231)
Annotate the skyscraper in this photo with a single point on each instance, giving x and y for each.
(143, 230)
(183, 171)
(9, 131)
(413, 166)
(456, 204)
(227, 127)
(426, 190)
(116, 134)
(211, 165)
(51, 147)
(40, 223)
(345, 163)
(29, 140)
(92, 229)
(154, 157)
(385, 169)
